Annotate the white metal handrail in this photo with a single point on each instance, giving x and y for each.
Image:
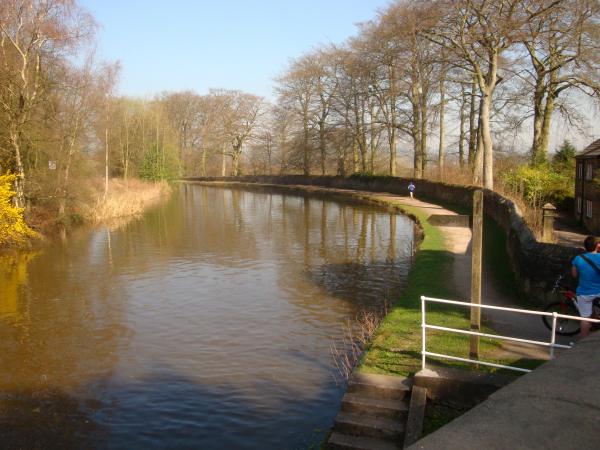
(551, 344)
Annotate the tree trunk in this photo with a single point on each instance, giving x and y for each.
(126, 165)
(355, 157)
(235, 159)
(537, 155)
(478, 153)
(322, 145)
(223, 161)
(392, 144)
(392, 127)
(305, 158)
(282, 163)
(488, 155)
(373, 140)
(461, 136)
(203, 162)
(362, 140)
(105, 162)
(418, 156)
(424, 133)
(442, 145)
(473, 130)
(19, 184)
(547, 122)
(362, 146)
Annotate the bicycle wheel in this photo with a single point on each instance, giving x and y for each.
(564, 327)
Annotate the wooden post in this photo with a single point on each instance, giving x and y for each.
(476, 250)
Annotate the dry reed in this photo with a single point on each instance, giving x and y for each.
(124, 199)
(355, 337)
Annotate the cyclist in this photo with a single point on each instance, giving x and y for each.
(586, 267)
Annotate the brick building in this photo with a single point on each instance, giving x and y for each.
(587, 192)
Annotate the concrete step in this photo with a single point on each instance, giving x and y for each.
(382, 407)
(339, 441)
(416, 416)
(379, 386)
(369, 426)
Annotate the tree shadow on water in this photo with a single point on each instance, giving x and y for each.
(366, 285)
(168, 410)
(46, 419)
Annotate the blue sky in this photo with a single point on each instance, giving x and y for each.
(233, 44)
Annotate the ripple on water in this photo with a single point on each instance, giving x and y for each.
(208, 324)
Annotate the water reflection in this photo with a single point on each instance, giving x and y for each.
(207, 324)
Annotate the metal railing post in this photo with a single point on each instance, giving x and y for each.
(423, 332)
(553, 337)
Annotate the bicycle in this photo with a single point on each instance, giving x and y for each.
(567, 306)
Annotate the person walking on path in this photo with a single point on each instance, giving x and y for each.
(411, 189)
(586, 267)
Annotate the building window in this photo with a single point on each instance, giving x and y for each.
(579, 171)
(588, 209)
(589, 171)
(579, 205)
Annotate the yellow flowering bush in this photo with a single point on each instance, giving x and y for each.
(13, 229)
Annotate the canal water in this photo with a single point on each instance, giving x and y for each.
(206, 324)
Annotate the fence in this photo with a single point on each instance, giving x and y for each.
(551, 344)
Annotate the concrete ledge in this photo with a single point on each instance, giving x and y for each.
(461, 387)
(456, 220)
(555, 406)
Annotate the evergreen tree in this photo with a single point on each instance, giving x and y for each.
(159, 164)
(563, 160)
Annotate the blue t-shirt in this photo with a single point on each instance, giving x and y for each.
(589, 279)
(411, 187)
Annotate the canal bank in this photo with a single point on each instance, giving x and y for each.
(531, 280)
(441, 269)
(438, 270)
(134, 336)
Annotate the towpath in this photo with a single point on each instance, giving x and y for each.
(458, 242)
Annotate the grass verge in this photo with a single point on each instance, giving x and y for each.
(396, 346)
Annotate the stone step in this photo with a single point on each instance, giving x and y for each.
(369, 426)
(379, 386)
(416, 416)
(362, 404)
(339, 441)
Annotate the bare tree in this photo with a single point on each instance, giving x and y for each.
(563, 50)
(296, 90)
(33, 33)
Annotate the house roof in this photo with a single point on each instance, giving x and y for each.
(591, 150)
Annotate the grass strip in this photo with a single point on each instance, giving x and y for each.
(396, 346)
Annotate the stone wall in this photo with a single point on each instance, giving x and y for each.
(536, 265)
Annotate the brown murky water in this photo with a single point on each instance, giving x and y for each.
(207, 324)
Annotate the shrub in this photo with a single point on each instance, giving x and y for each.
(13, 229)
(539, 184)
(159, 164)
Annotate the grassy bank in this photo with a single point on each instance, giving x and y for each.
(396, 346)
